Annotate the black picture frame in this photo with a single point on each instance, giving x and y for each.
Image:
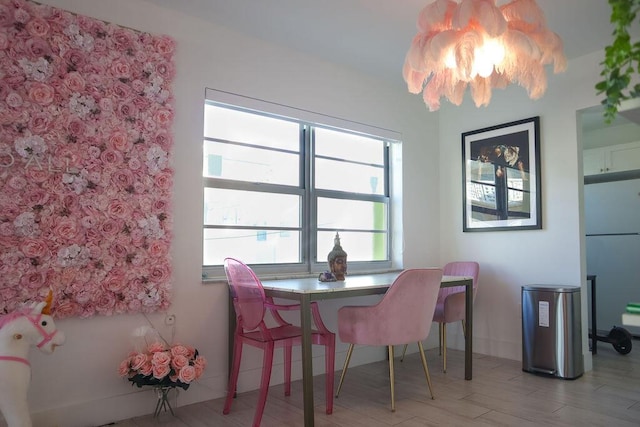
(501, 177)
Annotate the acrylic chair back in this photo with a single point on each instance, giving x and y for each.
(247, 293)
(251, 305)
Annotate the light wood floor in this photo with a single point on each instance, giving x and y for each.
(500, 394)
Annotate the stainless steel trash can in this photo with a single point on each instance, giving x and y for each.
(552, 331)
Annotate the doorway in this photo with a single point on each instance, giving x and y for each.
(611, 194)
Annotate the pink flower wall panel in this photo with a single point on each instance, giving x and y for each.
(86, 110)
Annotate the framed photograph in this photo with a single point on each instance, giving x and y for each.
(501, 177)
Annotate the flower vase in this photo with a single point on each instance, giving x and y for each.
(163, 400)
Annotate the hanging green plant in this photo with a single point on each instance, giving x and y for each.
(622, 59)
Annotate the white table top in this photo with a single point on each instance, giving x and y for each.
(311, 285)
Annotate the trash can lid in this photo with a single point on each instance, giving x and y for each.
(551, 288)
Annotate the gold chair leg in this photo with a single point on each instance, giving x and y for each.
(344, 369)
(464, 328)
(404, 350)
(391, 380)
(444, 348)
(426, 369)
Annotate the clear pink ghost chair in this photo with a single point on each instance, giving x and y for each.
(451, 301)
(251, 305)
(393, 320)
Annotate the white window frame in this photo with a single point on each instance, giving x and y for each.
(394, 182)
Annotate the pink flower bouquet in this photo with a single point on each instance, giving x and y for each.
(162, 365)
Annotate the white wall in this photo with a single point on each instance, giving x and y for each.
(79, 385)
(510, 259)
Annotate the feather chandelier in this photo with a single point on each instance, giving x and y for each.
(479, 44)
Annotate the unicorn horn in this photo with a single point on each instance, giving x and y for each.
(47, 308)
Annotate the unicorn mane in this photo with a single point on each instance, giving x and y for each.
(8, 318)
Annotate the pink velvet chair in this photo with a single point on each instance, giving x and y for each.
(451, 301)
(251, 305)
(399, 318)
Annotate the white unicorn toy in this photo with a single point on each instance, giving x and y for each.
(18, 332)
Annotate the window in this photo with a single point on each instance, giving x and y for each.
(278, 188)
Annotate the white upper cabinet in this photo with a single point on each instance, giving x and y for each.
(615, 158)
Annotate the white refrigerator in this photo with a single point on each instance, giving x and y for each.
(612, 220)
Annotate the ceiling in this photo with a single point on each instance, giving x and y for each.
(373, 36)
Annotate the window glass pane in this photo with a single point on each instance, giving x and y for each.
(342, 145)
(250, 208)
(240, 126)
(352, 214)
(359, 246)
(239, 163)
(251, 246)
(481, 195)
(342, 176)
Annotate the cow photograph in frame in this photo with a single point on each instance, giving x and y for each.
(501, 177)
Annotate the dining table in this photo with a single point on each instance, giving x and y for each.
(306, 290)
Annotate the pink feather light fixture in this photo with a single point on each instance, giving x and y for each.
(479, 44)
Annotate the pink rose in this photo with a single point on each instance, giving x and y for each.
(119, 140)
(110, 228)
(138, 360)
(158, 249)
(65, 308)
(74, 81)
(123, 38)
(40, 123)
(120, 69)
(146, 369)
(163, 180)
(178, 362)
(36, 174)
(161, 365)
(104, 303)
(156, 347)
(34, 248)
(123, 369)
(112, 157)
(65, 228)
(41, 93)
(166, 70)
(121, 90)
(187, 374)
(75, 58)
(179, 350)
(160, 273)
(163, 139)
(127, 110)
(163, 117)
(37, 48)
(199, 365)
(164, 45)
(76, 127)
(33, 280)
(119, 209)
(37, 27)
